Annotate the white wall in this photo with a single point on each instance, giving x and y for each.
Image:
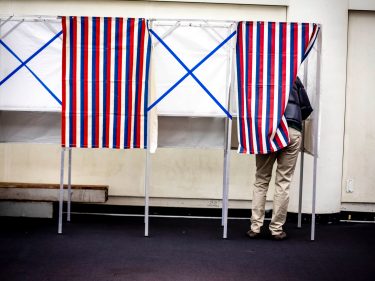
(359, 146)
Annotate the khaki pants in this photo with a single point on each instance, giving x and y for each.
(286, 163)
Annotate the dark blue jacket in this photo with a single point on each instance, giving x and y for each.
(298, 107)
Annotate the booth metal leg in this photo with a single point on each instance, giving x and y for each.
(313, 200)
(61, 197)
(225, 192)
(316, 136)
(228, 144)
(225, 196)
(69, 182)
(299, 224)
(226, 179)
(147, 175)
(223, 205)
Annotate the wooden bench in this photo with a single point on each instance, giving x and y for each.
(50, 192)
(35, 199)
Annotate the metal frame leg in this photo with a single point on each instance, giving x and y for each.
(61, 196)
(316, 138)
(228, 137)
(299, 223)
(313, 201)
(147, 199)
(226, 179)
(69, 183)
(148, 156)
(228, 143)
(224, 200)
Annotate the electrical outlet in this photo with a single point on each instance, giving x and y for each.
(349, 185)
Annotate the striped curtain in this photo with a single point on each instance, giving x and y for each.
(268, 55)
(105, 82)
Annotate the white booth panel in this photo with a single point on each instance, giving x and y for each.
(30, 70)
(30, 127)
(185, 44)
(196, 132)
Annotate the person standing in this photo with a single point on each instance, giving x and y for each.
(297, 110)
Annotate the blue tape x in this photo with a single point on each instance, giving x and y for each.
(190, 72)
(24, 64)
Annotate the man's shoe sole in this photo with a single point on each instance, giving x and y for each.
(252, 235)
(280, 237)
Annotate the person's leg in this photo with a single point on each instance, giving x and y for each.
(264, 164)
(286, 163)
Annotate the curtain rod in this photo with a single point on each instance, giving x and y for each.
(49, 18)
(29, 18)
(46, 17)
(194, 20)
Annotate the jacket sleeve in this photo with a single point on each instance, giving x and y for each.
(305, 105)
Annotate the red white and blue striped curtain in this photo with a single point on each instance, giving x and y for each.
(105, 82)
(268, 55)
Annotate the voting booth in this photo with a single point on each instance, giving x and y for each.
(126, 83)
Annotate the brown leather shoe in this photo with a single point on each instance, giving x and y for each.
(279, 237)
(252, 234)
